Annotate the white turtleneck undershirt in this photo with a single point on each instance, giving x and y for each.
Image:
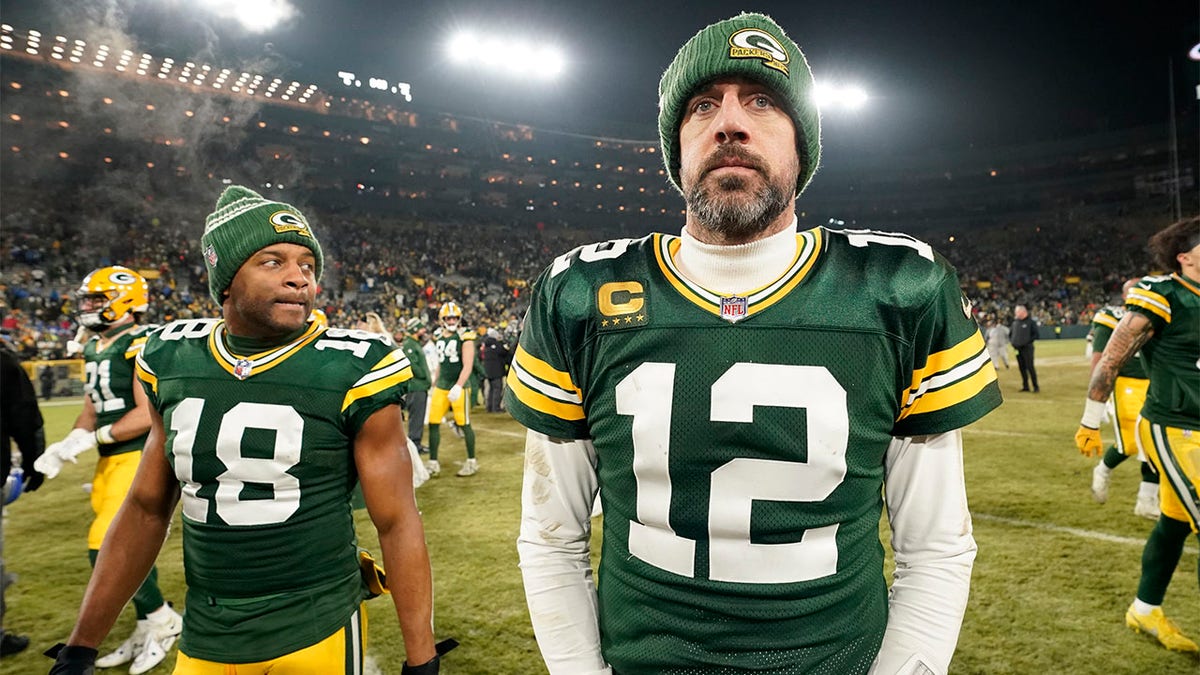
(736, 269)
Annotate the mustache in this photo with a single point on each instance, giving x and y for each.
(733, 153)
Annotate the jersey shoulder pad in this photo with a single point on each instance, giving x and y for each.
(897, 268)
(1108, 316)
(1152, 296)
(467, 334)
(569, 283)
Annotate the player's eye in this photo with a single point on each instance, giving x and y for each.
(762, 101)
(702, 105)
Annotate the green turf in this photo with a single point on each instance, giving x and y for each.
(1048, 595)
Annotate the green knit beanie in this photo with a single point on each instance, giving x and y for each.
(751, 46)
(243, 223)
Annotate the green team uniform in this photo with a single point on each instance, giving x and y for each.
(741, 441)
(1103, 324)
(421, 381)
(110, 383)
(263, 449)
(449, 349)
(1172, 304)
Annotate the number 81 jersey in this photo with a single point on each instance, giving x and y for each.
(262, 446)
(741, 440)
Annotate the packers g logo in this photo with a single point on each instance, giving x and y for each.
(122, 278)
(752, 43)
(288, 221)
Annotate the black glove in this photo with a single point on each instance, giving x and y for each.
(72, 660)
(430, 667)
(33, 480)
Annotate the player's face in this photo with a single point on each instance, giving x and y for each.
(273, 292)
(738, 160)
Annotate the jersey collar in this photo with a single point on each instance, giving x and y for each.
(243, 367)
(809, 245)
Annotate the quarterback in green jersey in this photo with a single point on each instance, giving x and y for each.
(1162, 320)
(1129, 394)
(746, 398)
(261, 425)
(115, 420)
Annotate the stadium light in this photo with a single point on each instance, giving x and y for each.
(846, 97)
(256, 16)
(511, 55)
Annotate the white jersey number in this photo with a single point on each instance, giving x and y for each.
(288, 426)
(647, 394)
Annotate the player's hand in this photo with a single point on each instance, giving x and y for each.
(455, 393)
(72, 660)
(77, 442)
(1087, 440)
(49, 463)
(430, 667)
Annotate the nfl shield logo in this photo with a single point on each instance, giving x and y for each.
(241, 369)
(210, 254)
(733, 308)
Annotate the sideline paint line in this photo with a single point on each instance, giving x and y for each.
(1086, 534)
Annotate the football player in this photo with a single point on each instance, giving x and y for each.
(1162, 320)
(115, 420)
(418, 387)
(1129, 394)
(261, 424)
(745, 395)
(456, 359)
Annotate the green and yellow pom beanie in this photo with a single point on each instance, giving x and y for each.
(244, 222)
(751, 46)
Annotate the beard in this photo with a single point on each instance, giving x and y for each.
(268, 318)
(733, 206)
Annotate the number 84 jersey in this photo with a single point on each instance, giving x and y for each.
(741, 440)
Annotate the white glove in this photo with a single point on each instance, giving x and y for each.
(75, 345)
(49, 463)
(76, 442)
(455, 393)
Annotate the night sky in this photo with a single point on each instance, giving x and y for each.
(942, 75)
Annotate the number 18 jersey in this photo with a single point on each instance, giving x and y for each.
(262, 446)
(741, 440)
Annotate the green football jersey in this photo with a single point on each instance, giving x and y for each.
(421, 381)
(262, 446)
(1103, 324)
(110, 383)
(449, 350)
(741, 440)
(1172, 303)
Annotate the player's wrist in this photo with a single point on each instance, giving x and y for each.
(1093, 414)
(104, 435)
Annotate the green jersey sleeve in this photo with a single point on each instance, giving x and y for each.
(383, 384)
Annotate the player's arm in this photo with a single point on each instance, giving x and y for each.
(131, 425)
(132, 543)
(557, 494)
(934, 551)
(1130, 335)
(87, 417)
(468, 362)
(385, 471)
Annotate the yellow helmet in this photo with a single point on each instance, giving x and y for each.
(110, 294)
(450, 315)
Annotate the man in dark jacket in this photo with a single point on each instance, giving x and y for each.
(20, 421)
(418, 388)
(1023, 332)
(496, 358)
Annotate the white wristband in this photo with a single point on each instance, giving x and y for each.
(104, 435)
(1093, 414)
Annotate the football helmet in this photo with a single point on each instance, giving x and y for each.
(110, 294)
(450, 316)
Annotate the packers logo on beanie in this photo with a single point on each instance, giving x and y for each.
(243, 223)
(751, 46)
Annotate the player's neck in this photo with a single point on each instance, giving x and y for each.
(739, 268)
(108, 335)
(242, 345)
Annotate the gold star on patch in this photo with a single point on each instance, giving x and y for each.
(604, 323)
(641, 318)
(629, 319)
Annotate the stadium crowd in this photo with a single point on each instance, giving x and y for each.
(403, 266)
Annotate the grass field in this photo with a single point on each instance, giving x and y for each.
(1054, 574)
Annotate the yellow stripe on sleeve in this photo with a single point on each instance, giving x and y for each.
(952, 395)
(544, 371)
(946, 359)
(135, 347)
(538, 401)
(376, 386)
(145, 376)
(1105, 319)
(1151, 301)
